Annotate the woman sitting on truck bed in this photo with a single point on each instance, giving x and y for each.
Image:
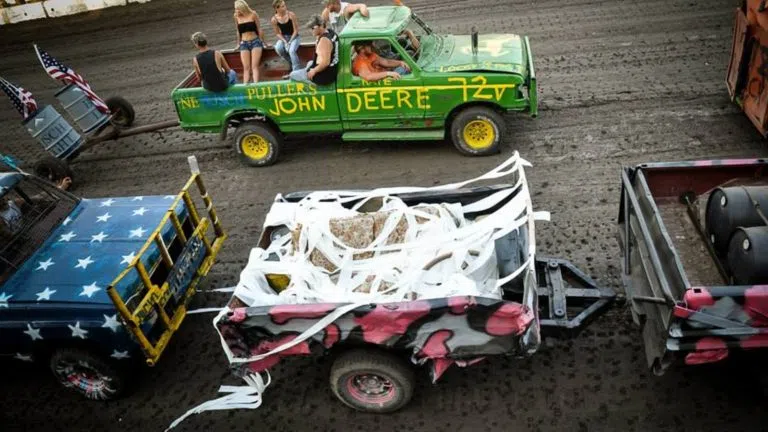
(250, 39)
(284, 24)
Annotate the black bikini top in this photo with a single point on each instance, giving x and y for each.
(246, 27)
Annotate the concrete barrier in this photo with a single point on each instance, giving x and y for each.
(20, 13)
(102, 4)
(55, 9)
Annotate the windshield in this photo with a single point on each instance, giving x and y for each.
(418, 40)
(30, 209)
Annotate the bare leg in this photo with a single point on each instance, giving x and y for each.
(255, 60)
(245, 59)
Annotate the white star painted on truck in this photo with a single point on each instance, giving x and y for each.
(138, 232)
(84, 263)
(33, 333)
(77, 331)
(67, 237)
(67, 221)
(4, 299)
(88, 290)
(46, 294)
(43, 265)
(120, 354)
(128, 259)
(138, 198)
(111, 323)
(23, 357)
(103, 218)
(140, 212)
(107, 203)
(99, 237)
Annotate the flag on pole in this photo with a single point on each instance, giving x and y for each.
(59, 71)
(22, 99)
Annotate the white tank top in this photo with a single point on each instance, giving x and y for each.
(337, 21)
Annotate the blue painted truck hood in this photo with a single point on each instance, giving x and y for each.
(88, 251)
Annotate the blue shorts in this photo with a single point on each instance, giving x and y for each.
(251, 44)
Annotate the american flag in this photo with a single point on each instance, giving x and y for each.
(21, 99)
(60, 71)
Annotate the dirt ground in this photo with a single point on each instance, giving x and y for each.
(621, 83)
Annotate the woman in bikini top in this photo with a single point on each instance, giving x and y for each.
(250, 39)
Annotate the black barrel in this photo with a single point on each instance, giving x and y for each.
(748, 255)
(729, 208)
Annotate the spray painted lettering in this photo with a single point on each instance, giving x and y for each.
(289, 98)
(480, 88)
(387, 99)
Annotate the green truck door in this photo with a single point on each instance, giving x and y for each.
(385, 104)
(296, 106)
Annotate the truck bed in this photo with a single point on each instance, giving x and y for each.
(677, 295)
(699, 266)
(271, 68)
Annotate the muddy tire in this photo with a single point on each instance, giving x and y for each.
(372, 381)
(54, 170)
(257, 144)
(122, 111)
(87, 374)
(477, 131)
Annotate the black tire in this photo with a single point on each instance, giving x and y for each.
(123, 114)
(389, 381)
(482, 123)
(74, 367)
(54, 170)
(257, 144)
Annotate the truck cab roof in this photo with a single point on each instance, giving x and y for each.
(382, 21)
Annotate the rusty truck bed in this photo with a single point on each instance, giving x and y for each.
(678, 297)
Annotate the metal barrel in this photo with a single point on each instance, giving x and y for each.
(82, 109)
(53, 132)
(748, 255)
(729, 208)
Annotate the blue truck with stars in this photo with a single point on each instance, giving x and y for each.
(92, 287)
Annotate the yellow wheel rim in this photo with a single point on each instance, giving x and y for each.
(479, 134)
(255, 146)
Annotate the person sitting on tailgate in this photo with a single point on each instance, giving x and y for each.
(211, 67)
(371, 67)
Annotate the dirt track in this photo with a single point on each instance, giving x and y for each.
(621, 83)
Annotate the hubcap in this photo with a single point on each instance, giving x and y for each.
(479, 134)
(83, 377)
(371, 388)
(255, 146)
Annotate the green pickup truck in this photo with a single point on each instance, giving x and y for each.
(459, 86)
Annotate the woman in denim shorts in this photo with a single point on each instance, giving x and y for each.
(249, 39)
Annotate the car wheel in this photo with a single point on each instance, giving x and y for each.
(55, 170)
(372, 381)
(123, 114)
(257, 144)
(477, 131)
(87, 374)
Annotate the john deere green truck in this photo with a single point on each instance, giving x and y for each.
(458, 88)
